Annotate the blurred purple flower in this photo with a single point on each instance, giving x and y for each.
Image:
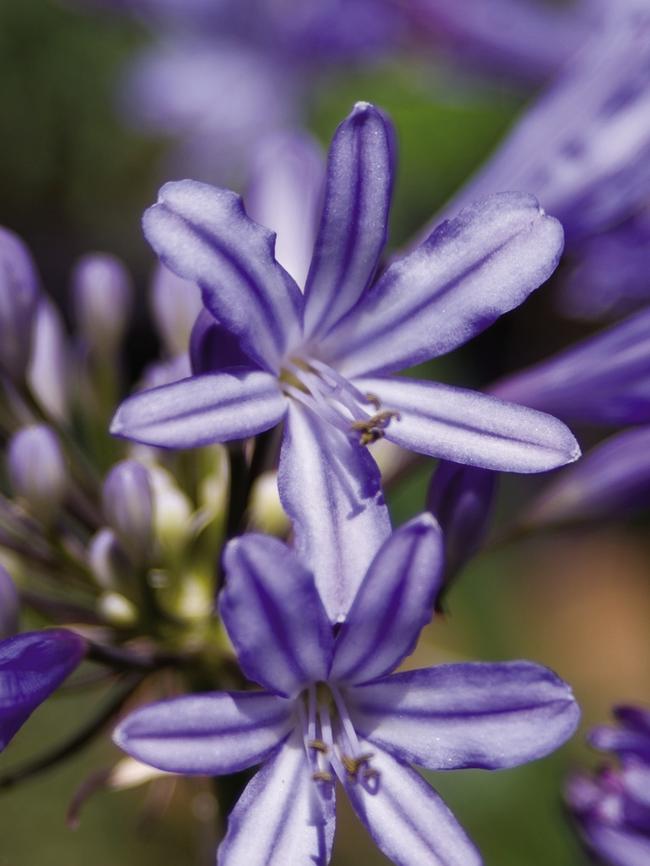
(330, 710)
(9, 604)
(32, 666)
(612, 808)
(128, 507)
(19, 297)
(37, 470)
(320, 359)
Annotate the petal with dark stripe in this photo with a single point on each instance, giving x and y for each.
(480, 715)
(280, 819)
(471, 427)
(468, 272)
(204, 235)
(394, 602)
(354, 223)
(405, 816)
(208, 734)
(215, 407)
(274, 615)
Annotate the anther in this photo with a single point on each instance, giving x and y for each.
(322, 776)
(372, 429)
(353, 765)
(373, 399)
(318, 745)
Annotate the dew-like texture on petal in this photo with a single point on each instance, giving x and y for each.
(617, 846)
(208, 734)
(203, 234)
(481, 715)
(612, 478)
(214, 407)
(284, 194)
(331, 489)
(466, 274)
(593, 168)
(213, 348)
(280, 820)
(604, 379)
(471, 427)
(32, 666)
(354, 223)
(394, 602)
(406, 818)
(274, 615)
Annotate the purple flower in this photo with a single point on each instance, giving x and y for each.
(19, 296)
(604, 379)
(321, 360)
(330, 710)
(128, 507)
(103, 297)
(32, 666)
(612, 809)
(37, 470)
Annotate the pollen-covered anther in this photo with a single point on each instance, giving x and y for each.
(371, 429)
(322, 776)
(318, 746)
(354, 766)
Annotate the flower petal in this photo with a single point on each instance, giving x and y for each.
(481, 715)
(406, 818)
(214, 348)
(214, 407)
(466, 274)
(393, 603)
(203, 234)
(354, 223)
(206, 735)
(280, 819)
(471, 427)
(32, 666)
(274, 615)
(618, 846)
(604, 379)
(331, 489)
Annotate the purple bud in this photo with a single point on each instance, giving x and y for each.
(19, 293)
(9, 605)
(175, 304)
(128, 507)
(613, 478)
(108, 561)
(102, 298)
(32, 666)
(37, 470)
(48, 374)
(460, 497)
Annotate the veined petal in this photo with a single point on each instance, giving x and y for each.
(481, 715)
(619, 846)
(206, 735)
(331, 489)
(280, 819)
(203, 234)
(32, 666)
(393, 603)
(471, 427)
(214, 407)
(466, 274)
(603, 379)
(354, 223)
(406, 818)
(274, 615)
(214, 348)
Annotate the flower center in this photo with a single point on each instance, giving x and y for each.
(331, 743)
(333, 398)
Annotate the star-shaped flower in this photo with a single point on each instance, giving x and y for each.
(332, 709)
(321, 359)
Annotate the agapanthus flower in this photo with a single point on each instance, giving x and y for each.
(331, 709)
(32, 666)
(612, 808)
(321, 359)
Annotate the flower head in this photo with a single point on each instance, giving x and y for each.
(332, 709)
(321, 359)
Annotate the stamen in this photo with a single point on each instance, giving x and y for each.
(348, 728)
(322, 776)
(373, 428)
(318, 746)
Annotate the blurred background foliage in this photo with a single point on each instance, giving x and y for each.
(74, 178)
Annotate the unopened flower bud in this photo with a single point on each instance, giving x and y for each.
(128, 507)
(175, 305)
(19, 293)
(108, 562)
(265, 509)
(117, 610)
(37, 470)
(102, 298)
(172, 512)
(49, 373)
(9, 605)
